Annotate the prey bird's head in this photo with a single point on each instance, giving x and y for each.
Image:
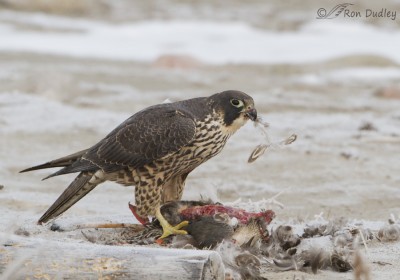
(235, 107)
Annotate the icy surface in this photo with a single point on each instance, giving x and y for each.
(210, 41)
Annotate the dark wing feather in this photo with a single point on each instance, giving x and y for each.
(150, 134)
(75, 191)
(64, 161)
(146, 136)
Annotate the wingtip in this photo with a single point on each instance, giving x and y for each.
(36, 167)
(26, 170)
(59, 172)
(47, 177)
(43, 219)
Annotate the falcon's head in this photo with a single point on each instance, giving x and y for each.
(235, 106)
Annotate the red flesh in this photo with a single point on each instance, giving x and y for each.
(209, 210)
(142, 220)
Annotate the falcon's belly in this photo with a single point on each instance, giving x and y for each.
(209, 140)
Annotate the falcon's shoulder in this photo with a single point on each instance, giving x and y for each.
(148, 135)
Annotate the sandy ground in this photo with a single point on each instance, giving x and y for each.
(345, 161)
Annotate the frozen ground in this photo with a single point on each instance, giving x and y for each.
(65, 83)
(210, 41)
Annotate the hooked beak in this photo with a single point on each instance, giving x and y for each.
(251, 113)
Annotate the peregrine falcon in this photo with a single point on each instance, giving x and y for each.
(154, 150)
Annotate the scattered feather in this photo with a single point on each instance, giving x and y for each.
(260, 149)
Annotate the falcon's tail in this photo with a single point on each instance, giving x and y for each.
(61, 162)
(82, 185)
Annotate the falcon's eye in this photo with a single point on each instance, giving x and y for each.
(237, 103)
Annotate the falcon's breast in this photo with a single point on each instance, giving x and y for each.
(208, 141)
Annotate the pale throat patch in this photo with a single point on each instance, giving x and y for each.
(238, 123)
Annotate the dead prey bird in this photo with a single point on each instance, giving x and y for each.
(208, 224)
(260, 149)
(154, 150)
(237, 235)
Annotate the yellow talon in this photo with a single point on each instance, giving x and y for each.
(167, 228)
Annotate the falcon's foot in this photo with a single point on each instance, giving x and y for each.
(167, 228)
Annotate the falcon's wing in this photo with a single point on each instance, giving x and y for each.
(148, 135)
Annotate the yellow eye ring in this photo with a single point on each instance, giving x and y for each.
(237, 103)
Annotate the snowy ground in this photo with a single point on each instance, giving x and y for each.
(66, 82)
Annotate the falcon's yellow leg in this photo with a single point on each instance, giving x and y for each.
(167, 228)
